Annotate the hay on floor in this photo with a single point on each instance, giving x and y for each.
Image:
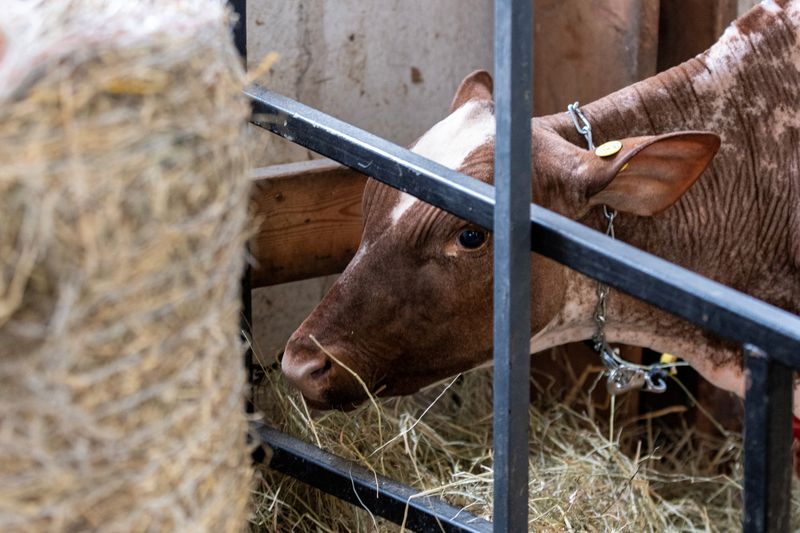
(123, 196)
(668, 478)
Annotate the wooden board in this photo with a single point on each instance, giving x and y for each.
(587, 49)
(688, 27)
(309, 220)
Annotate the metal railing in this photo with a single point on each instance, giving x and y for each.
(770, 337)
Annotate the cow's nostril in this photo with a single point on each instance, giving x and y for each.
(318, 373)
(306, 370)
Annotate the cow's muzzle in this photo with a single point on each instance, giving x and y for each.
(321, 380)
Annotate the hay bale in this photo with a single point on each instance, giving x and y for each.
(123, 198)
(586, 474)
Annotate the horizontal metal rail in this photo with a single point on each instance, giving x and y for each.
(355, 484)
(706, 303)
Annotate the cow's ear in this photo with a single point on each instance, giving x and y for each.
(476, 86)
(649, 174)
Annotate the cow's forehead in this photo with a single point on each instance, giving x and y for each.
(450, 142)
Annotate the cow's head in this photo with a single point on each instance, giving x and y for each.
(415, 303)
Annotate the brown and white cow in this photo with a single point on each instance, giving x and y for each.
(415, 303)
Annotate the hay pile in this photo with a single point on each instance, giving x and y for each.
(123, 198)
(670, 479)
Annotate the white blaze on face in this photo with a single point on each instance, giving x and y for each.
(450, 142)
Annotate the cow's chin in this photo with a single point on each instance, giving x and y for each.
(350, 400)
(325, 405)
(339, 399)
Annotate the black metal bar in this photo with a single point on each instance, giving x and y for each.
(767, 443)
(247, 333)
(512, 262)
(713, 306)
(246, 321)
(357, 485)
(240, 27)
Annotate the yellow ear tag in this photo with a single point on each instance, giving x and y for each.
(668, 358)
(608, 149)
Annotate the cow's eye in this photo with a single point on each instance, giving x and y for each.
(471, 238)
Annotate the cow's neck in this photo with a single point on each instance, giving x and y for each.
(739, 224)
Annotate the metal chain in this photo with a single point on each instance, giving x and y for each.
(622, 375)
(584, 128)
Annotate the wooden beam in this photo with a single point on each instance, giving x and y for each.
(688, 27)
(588, 49)
(308, 217)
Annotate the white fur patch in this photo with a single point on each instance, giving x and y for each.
(450, 141)
(406, 201)
(731, 49)
(360, 253)
(771, 6)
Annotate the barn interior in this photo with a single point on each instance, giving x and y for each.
(141, 386)
(643, 462)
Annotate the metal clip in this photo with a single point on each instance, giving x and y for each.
(621, 380)
(654, 381)
(624, 376)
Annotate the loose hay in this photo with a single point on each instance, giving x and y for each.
(672, 479)
(123, 198)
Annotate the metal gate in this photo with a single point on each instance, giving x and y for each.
(769, 337)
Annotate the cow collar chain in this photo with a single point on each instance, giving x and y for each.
(622, 375)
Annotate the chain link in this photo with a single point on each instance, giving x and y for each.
(581, 123)
(622, 375)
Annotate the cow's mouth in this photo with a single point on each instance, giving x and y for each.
(338, 398)
(328, 406)
(348, 400)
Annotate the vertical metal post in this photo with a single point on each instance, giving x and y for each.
(240, 40)
(512, 178)
(246, 321)
(240, 29)
(767, 443)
